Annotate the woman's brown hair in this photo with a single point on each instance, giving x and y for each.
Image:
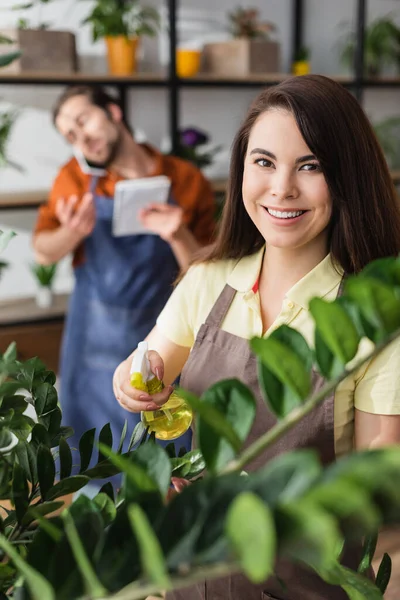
(365, 222)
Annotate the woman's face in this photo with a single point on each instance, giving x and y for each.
(284, 189)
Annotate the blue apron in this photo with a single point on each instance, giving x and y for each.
(120, 289)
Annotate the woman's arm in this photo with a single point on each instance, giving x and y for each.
(375, 431)
(166, 360)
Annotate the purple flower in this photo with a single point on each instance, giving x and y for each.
(193, 137)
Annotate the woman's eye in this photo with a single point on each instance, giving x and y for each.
(263, 162)
(310, 167)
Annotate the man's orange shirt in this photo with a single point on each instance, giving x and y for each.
(190, 189)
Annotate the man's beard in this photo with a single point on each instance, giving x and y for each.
(112, 151)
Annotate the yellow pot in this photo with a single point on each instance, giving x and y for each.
(121, 54)
(187, 62)
(301, 67)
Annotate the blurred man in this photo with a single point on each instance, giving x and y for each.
(121, 283)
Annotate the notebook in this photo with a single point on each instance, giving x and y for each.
(132, 195)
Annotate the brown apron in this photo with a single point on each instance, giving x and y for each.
(218, 355)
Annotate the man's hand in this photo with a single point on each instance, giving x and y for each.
(166, 220)
(79, 218)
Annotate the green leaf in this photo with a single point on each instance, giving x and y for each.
(329, 365)
(46, 470)
(251, 530)
(356, 586)
(45, 397)
(20, 492)
(377, 302)
(26, 457)
(236, 403)
(151, 556)
(336, 328)
(5, 237)
(40, 436)
(135, 473)
(107, 508)
(11, 353)
(67, 486)
(21, 426)
(137, 435)
(86, 444)
(384, 573)
(287, 357)
(93, 585)
(213, 417)
(9, 388)
(122, 438)
(348, 502)
(105, 439)
(189, 465)
(38, 586)
(16, 403)
(65, 459)
(369, 548)
(40, 510)
(307, 533)
(153, 459)
(108, 489)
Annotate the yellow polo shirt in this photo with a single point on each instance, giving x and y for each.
(374, 388)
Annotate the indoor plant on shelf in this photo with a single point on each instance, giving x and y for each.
(382, 47)
(192, 147)
(42, 48)
(250, 51)
(44, 275)
(121, 23)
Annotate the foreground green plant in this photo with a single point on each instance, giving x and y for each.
(141, 541)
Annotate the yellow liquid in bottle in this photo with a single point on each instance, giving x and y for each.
(172, 420)
(169, 427)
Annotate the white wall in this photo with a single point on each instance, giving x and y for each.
(36, 145)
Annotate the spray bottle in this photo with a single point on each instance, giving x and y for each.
(174, 418)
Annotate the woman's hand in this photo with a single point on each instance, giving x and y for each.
(136, 400)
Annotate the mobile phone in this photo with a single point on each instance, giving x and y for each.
(86, 167)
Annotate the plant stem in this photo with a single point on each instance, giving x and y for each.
(297, 414)
(138, 590)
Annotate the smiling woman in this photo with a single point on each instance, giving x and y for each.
(310, 201)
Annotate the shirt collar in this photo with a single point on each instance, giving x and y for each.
(323, 278)
(246, 272)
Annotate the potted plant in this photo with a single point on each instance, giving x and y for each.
(121, 23)
(381, 47)
(191, 147)
(301, 64)
(42, 49)
(44, 275)
(250, 51)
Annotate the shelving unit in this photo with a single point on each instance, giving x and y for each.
(169, 80)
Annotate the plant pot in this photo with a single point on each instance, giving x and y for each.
(241, 57)
(41, 50)
(301, 67)
(121, 54)
(187, 62)
(44, 297)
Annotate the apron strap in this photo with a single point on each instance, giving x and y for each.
(221, 307)
(93, 184)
